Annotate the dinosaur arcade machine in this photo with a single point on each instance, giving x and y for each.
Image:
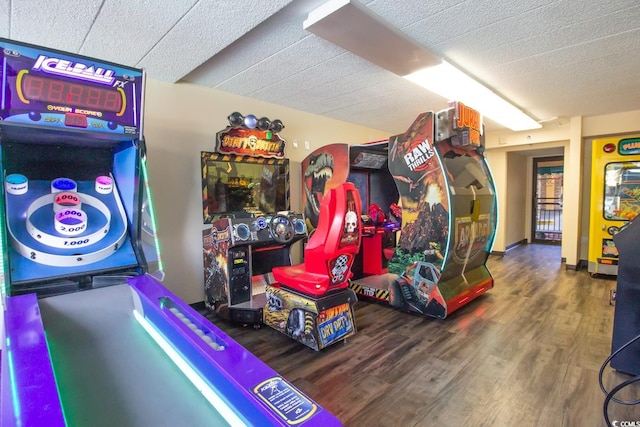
(431, 211)
(80, 263)
(324, 169)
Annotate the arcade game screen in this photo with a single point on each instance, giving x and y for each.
(242, 185)
(360, 180)
(369, 172)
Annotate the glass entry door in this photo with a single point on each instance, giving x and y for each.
(547, 200)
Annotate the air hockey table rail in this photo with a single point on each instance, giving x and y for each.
(238, 386)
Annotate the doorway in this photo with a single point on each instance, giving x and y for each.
(548, 174)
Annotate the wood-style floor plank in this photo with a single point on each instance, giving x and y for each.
(527, 353)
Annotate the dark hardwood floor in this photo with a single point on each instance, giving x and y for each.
(527, 353)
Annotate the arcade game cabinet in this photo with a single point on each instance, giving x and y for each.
(626, 321)
(312, 302)
(382, 216)
(444, 216)
(366, 167)
(246, 202)
(80, 261)
(77, 211)
(615, 198)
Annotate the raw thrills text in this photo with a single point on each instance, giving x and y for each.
(419, 155)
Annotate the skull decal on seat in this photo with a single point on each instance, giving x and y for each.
(351, 221)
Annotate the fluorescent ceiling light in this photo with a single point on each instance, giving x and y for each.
(451, 83)
(352, 26)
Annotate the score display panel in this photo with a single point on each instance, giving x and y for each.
(43, 87)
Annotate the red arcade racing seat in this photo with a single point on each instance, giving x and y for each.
(332, 247)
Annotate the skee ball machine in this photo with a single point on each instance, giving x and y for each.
(449, 216)
(615, 198)
(80, 261)
(77, 212)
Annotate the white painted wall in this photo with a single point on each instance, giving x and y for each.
(515, 217)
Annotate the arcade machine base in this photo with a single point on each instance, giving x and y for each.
(239, 254)
(375, 287)
(250, 312)
(626, 320)
(408, 295)
(315, 322)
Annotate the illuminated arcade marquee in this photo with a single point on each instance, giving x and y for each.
(54, 89)
(247, 173)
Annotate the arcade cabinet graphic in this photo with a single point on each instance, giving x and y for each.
(431, 214)
(319, 176)
(615, 198)
(80, 259)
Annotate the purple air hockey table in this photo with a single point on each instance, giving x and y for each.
(101, 358)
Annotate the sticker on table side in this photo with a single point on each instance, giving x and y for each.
(285, 400)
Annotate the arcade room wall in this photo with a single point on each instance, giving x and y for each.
(181, 120)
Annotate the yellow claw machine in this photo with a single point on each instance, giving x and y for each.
(615, 198)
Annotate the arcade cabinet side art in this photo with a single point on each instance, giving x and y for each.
(419, 256)
(473, 205)
(448, 214)
(322, 171)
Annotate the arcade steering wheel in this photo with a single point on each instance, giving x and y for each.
(281, 228)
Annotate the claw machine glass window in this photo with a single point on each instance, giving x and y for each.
(622, 190)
